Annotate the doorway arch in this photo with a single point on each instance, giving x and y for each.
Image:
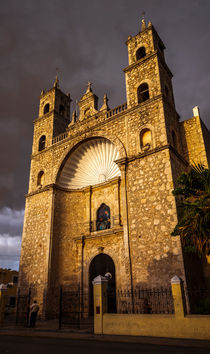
(100, 265)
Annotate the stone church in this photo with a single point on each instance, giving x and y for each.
(99, 197)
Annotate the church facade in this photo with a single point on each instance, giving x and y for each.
(100, 190)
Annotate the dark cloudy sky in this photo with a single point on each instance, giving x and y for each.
(85, 39)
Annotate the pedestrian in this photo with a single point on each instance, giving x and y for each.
(33, 314)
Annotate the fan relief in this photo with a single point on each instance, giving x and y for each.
(91, 163)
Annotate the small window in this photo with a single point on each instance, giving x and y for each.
(140, 53)
(46, 108)
(103, 217)
(145, 139)
(40, 179)
(42, 142)
(143, 92)
(61, 110)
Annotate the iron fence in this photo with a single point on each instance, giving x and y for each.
(74, 309)
(16, 313)
(72, 306)
(144, 300)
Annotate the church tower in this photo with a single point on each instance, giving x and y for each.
(53, 119)
(148, 82)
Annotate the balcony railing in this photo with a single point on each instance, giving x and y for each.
(109, 114)
(60, 137)
(116, 110)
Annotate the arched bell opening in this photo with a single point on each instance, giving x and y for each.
(100, 265)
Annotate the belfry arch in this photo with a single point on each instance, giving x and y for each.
(101, 265)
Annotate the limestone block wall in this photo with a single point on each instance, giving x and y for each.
(36, 239)
(152, 216)
(195, 148)
(68, 223)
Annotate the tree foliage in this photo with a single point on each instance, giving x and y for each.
(194, 210)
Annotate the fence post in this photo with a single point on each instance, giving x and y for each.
(178, 296)
(99, 302)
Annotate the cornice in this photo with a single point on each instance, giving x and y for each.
(126, 161)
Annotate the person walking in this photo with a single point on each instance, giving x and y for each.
(33, 314)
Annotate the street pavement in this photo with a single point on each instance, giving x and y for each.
(42, 345)
(29, 341)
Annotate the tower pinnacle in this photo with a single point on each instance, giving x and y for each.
(56, 83)
(143, 24)
(89, 87)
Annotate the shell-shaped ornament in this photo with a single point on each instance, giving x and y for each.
(91, 163)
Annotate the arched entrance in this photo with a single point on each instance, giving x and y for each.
(100, 265)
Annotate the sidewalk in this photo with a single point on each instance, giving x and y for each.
(76, 335)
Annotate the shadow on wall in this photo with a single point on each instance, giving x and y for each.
(196, 288)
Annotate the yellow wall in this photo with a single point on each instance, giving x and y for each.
(194, 326)
(174, 326)
(4, 298)
(7, 275)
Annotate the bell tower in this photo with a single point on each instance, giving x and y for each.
(147, 75)
(149, 86)
(53, 119)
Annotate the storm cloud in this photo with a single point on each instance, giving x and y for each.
(11, 223)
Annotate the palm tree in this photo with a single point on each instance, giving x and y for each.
(194, 211)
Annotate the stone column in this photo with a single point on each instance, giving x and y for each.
(99, 302)
(178, 296)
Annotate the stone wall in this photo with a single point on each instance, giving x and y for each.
(36, 243)
(193, 141)
(152, 216)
